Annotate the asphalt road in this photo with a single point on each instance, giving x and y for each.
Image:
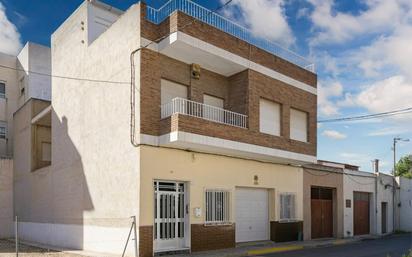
(393, 246)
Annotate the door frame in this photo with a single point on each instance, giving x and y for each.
(333, 201)
(187, 238)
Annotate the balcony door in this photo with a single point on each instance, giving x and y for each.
(169, 91)
(213, 108)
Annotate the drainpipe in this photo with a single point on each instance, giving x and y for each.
(376, 171)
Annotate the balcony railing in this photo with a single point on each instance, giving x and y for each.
(204, 111)
(207, 16)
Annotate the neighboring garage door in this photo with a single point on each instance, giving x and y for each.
(361, 213)
(321, 212)
(252, 215)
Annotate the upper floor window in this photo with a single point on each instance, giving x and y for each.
(3, 131)
(298, 125)
(22, 86)
(2, 90)
(287, 207)
(269, 117)
(217, 206)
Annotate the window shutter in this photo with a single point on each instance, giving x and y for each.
(298, 125)
(269, 117)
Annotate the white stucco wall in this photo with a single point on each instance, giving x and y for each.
(6, 198)
(84, 200)
(405, 199)
(35, 58)
(358, 181)
(385, 186)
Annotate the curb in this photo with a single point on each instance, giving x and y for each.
(300, 247)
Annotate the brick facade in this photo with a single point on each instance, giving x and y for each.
(241, 93)
(205, 238)
(146, 241)
(286, 232)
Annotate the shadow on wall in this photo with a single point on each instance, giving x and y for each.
(51, 201)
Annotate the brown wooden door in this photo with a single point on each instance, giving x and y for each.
(327, 212)
(316, 209)
(321, 213)
(361, 213)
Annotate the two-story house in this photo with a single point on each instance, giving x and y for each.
(177, 116)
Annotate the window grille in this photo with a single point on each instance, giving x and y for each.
(287, 207)
(217, 206)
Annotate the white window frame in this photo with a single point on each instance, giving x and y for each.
(212, 216)
(3, 95)
(291, 209)
(295, 131)
(3, 131)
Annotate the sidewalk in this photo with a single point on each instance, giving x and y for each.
(260, 248)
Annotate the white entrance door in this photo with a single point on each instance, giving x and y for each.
(252, 215)
(170, 218)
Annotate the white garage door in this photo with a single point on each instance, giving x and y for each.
(252, 218)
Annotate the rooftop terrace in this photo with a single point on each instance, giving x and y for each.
(212, 18)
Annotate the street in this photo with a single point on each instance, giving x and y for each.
(393, 246)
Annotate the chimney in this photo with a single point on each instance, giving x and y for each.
(376, 166)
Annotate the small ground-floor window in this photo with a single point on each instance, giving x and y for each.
(217, 206)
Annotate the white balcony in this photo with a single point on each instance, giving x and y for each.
(203, 111)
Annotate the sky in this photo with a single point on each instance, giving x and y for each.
(362, 51)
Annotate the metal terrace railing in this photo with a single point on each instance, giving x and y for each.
(204, 111)
(207, 16)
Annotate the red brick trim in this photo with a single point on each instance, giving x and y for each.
(206, 238)
(146, 241)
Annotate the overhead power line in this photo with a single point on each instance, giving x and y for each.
(369, 116)
(66, 77)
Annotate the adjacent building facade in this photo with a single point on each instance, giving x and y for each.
(22, 77)
(403, 200)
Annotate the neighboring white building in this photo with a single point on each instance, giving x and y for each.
(384, 207)
(359, 203)
(404, 201)
(21, 78)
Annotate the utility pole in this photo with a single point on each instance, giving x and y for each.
(395, 140)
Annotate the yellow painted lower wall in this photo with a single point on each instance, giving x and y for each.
(207, 171)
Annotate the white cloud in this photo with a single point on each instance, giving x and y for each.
(391, 51)
(393, 93)
(332, 26)
(265, 18)
(9, 36)
(326, 105)
(334, 134)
